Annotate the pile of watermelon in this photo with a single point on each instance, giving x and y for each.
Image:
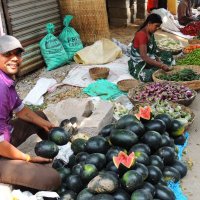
(132, 159)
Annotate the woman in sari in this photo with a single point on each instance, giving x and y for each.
(145, 57)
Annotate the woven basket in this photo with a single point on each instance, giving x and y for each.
(195, 85)
(140, 87)
(173, 105)
(127, 84)
(99, 72)
(90, 18)
(194, 41)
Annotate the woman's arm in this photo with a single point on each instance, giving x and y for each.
(7, 150)
(147, 59)
(28, 115)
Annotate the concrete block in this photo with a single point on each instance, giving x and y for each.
(118, 3)
(101, 115)
(119, 13)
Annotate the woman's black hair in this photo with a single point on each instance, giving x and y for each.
(151, 19)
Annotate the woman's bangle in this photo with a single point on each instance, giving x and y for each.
(28, 157)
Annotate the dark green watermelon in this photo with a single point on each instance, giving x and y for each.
(106, 130)
(97, 144)
(131, 180)
(76, 169)
(97, 159)
(141, 169)
(181, 167)
(141, 147)
(81, 156)
(141, 194)
(155, 125)
(111, 167)
(180, 140)
(88, 172)
(125, 121)
(59, 136)
(149, 188)
(84, 195)
(166, 119)
(74, 183)
(137, 128)
(155, 174)
(102, 197)
(58, 163)
(163, 192)
(64, 172)
(123, 138)
(72, 161)
(78, 145)
(141, 157)
(121, 194)
(110, 153)
(171, 174)
(152, 139)
(156, 160)
(165, 141)
(177, 128)
(167, 154)
(46, 149)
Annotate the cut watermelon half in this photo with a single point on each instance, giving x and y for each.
(124, 159)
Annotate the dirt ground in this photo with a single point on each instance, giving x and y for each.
(191, 183)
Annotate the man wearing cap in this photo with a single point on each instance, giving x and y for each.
(17, 167)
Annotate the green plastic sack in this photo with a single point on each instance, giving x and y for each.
(70, 39)
(52, 50)
(104, 89)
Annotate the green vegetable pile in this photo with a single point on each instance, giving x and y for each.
(183, 75)
(190, 59)
(164, 107)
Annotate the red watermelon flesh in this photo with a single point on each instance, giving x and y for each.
(144, 113)
(124, 159)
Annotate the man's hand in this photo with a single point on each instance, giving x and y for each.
(46, 125)
(38, 159)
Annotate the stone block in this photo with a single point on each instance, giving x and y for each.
(101, 115)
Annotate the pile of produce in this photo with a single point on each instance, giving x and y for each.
(190, 48)
(160, 91)
(169, 44)
(175, 111)
(120, 110)
(191, 29)
(182, 75)
(190, 59)
(128, 160)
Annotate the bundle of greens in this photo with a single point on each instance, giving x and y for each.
(183, 75)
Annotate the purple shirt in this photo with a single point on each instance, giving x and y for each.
(9, 103)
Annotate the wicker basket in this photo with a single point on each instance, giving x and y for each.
(127, 84)
(140, 87)
(194, 41)
(99, 72)
(195, 84)
(173, 105)
(90, 18)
